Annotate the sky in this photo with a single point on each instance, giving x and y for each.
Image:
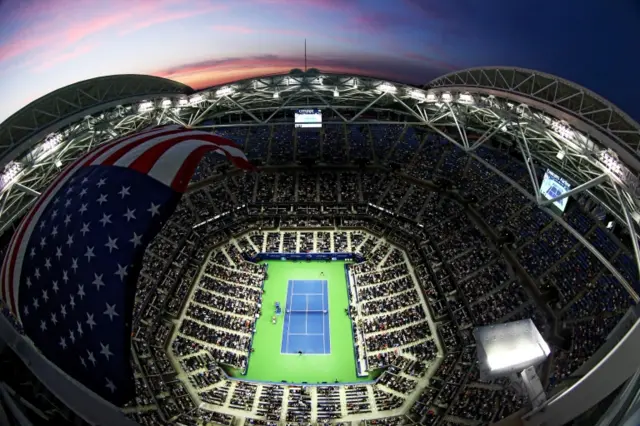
(48, 44)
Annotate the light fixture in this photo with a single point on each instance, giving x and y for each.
(225, 91)
(276, 95)
(387, 88)
(336, 94)
(166, 103)
(560, 155)
(418, 95)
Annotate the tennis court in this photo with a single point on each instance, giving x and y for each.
(306, 320)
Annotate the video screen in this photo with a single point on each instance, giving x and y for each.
(554, 186)
(308, 118)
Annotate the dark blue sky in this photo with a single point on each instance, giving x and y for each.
(45, 45)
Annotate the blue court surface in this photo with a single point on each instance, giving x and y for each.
(306, 320)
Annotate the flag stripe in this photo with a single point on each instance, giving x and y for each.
(146, 161)
(166, 167)
(188, 167)
(116, 153)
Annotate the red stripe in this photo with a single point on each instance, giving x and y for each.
(146, 161)
(16, 241)
(109, 161)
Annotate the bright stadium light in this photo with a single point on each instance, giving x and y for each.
(145, 106)
(11, 170)
(432, 97)
(166, 103)
(58, 163)
(466, 99)
(418, 95)
(276, 95)
(196, 99)
(387, 88)
(336, 94)
(225, 91)
(560, 155)
(447, 97)
(183, 102)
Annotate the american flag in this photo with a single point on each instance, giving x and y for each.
(71, 269)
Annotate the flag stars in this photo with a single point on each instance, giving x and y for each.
(58, 252)
(74, 264)
(111, 311)
(98, 281)
(90, 322)
(85, 229)
(54, 231)
(54, 320)
(43, 242)
(54, 214)
(63, 343)
(55, 286)
(83, 192)
(81, 292)
(124, 191)
(70, 240)
(63, 311)
(36, 305)
(106, 218)
(111, 386)
(136, 240)
(105, 351)
(154, 209)
(42, 225)
(111, 244)
(91, 358)
(89, 254)
(65, 276)
(102, 199)
(26, 310)
(45, 296)
(33, 252)
(43, 326)
(67, 203)
(83, 208)
(84, 180)
(72, 301)
(83, 362)
(28, 282)
(67, 220)
(121, 272)
(130, 214)
(47, 263)
(79, 329)
(72, 336)
(101, 182)
(36, 273)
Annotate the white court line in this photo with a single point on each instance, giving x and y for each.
(325, 285)
(307, 334)
(306, 315)
(289, 290)
(324, 349)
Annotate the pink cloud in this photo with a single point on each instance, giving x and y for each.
(64, 57)
(169, 16)
(234, 29)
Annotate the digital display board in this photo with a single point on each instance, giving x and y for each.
(554, 186)
(308, 118)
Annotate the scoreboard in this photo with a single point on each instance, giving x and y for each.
(308, 118)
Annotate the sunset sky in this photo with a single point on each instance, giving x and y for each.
(48, 44)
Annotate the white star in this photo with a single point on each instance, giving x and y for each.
(43, 326)
(65, 276)
(124, 191)
(47, 263)
(101, 182)
(82, 361)
(58, 252)
(26, 310)
(56, 201)
(70, 189)
(68, 202)
(55, 286)
(72, 301)
(72, 337)
(111, 386)
(105, 351)
(89, 254)
(122, 272)
(90, 321)
(74, 264)
(42, 224)
(63, 311)
(54, 214)
(69, 240)
(54, 231)
(85, 228)
(33, 252)
(63, 343)
(91, 358)
(102, 199)
(36, 273)
(136, 240)
(111, 244)
(83, 208)
(28, 282)
(98, 281)
(81, 291)
(130, 214)
(84, 180)
(80, 332)
(43, 242)
(111, 311)
(154, 209)
(54, 320)
(35, 303)
(83, 192)
(45, 296)
(106, 218)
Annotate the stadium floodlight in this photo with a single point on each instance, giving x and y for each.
(432, 97)
(276, 95)
(225, 91)
(196, 99)
(11, 170)
(58, 163)
(145, 106)
(355, 83)
(166, 103)
(447, 97)
(560, 155)
(183, 102)
(387, 88)
(418, 95)
(336, 94)
(466, 98)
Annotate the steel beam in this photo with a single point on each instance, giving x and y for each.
(578, 189)
(632, 229)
